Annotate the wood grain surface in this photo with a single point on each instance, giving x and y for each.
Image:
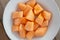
(3, 35)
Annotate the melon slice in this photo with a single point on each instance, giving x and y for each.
(31, 3)
(15, 28)
(30, 16)
(21, 6)
(17, 21)
(28, 8)
(17, 14)
(30, 35)
(23, 20)
(45, 23)
(39, 19)
(20, 14)
(36, 26)
(47, 15)
(37, 9)
(22, 32)
(41, 31)
(29, 26)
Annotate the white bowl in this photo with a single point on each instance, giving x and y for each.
(49, 5)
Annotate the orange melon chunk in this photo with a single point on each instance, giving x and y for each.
(30, 35)
(45, 23)
(20, 14)
(37, 9)
(23, 20)
(30, 16)
(15, 28)
(29, 26)
(47, 15)
(17, 14)
(22, 32)
(39, 19)
(41, 31)
(21, 6)
(31, 3)
(17, 21)
(28, 8)
(35, 26)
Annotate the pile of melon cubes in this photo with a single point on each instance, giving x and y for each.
(30, 20)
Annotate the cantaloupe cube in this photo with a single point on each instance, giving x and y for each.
(30, 35)
(41, 31)
(37, 9)
(30, 16)
(39, 19)
(22, 32)
(15, 28)
(17, 14)
(29, 26)
(20, 14)
(21, 27)
(28, 8)
(17, 21)
(47, 15)
(45, 23)
(23, 20)
(36, 26)
(21, 6)
(31, 3)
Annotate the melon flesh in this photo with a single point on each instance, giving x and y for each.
(28, 8)
(31, 3)
(45, 23)
(15, 28)
(30, 35)
(39, 19)
(47, 15)
(35, 26)
(22, 32)
(17, 21)
(21, 6)
(41, 31)
(37, 9)
(29, 26)
(30, 16)
(17, 14)
(23, 20)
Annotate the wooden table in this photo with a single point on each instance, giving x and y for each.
(3, 35)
